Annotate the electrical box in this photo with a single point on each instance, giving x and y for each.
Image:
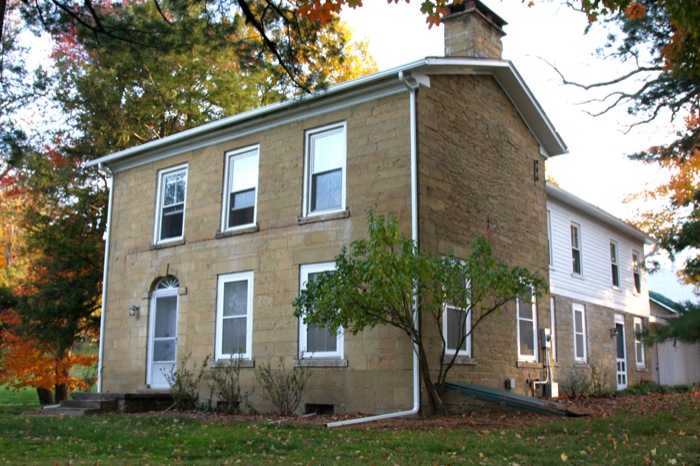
(551, 390)
(510, 384)
(545, 338)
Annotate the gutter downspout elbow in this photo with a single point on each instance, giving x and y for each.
(105, 266)
(412, 86)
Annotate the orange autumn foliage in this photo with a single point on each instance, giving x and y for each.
(24, 364)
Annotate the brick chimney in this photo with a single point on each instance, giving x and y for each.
(473, 30)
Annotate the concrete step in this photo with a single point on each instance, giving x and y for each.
(85, 404)
(59, 411)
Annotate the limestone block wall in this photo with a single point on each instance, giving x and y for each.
(601, 352)
(377, 373)
(481, 174)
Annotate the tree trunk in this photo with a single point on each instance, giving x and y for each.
(61, 392)
(437, 408)
(45, 396)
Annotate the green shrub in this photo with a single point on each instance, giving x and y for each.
(647, 387)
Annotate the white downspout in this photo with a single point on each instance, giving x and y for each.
(412, 86)
(101, 353)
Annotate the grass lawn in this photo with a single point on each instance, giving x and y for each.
(666, 433)
(12, 401)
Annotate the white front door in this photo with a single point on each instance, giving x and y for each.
(162, 337)
(621, 353)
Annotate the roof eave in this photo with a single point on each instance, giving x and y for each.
(566, 197)
(503, 71)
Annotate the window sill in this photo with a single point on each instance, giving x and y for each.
(337, 215)
(578, 276)
(581, 364)
(528, 364)
(321, 363)
(460, 360)
(641, 369)
(221, 363)
(237, 231)
(168, 244)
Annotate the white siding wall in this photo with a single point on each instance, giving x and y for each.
(595, 282)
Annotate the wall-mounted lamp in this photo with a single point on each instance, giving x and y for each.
(133, 311)
(614, 332)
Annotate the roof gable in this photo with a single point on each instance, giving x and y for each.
(346, 94)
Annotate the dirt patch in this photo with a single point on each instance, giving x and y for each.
(480, 420)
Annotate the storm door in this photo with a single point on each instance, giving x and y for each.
(162, 335)
(621, 353)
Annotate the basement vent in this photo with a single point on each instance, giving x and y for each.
(320, 410)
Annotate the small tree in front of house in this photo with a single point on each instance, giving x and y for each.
(378, 280)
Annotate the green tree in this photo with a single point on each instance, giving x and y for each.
(263, 32)
(375, 283)
(684, 328)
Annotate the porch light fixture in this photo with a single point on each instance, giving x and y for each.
(614, 332)
(133, 311)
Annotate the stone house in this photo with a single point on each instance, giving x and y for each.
(599, 297)
(213, 231)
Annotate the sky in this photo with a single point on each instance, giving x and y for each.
(596, 168)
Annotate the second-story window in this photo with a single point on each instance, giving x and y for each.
(576, 249)
(613, 264)
(170, 215)
(637, 271)
(240, 195)
(324, 184)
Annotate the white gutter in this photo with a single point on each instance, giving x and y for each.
(104, 277)
(412, 86)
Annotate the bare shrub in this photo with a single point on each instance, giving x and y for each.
(282, 386)
(227, 387)
(184, 382)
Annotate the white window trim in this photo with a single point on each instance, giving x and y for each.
(616, 263)
(310, 134)
(467, 327)
(578, 307)
(159, 204)
(304, 272)
(222, 280)
(550, 243)
(528, 357)
(579, 248)
(638, 326)
(553, 328)
(238, 153)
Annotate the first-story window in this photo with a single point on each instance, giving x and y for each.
(553, 323)
(170, 204)
(315, 341)
(234, 316)
(579, 332)
(240, 194)
(549, 238)
(527, 327)
(324, 182)
(638, 345)
(456, 326)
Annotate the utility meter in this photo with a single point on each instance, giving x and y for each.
(545, 338)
